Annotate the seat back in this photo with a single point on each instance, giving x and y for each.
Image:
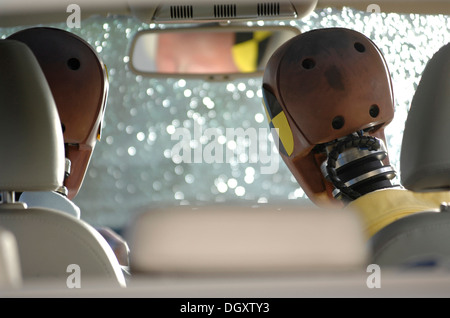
(425, 152)
(50, 242)
(33, 160)
(10, 272)
(421, 239)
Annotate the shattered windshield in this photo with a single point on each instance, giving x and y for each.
(192, 142)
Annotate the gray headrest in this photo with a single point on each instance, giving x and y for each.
(425, 153)
(32, 145)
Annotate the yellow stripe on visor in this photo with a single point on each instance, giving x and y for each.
(284, 132)
(245, 56)
(248, 49)
(278, 120)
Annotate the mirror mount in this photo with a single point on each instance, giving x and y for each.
(204, 11)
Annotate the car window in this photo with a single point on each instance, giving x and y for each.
(193, 142)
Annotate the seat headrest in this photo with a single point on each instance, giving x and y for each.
(425, 152)
(238, 239)
(32, 155)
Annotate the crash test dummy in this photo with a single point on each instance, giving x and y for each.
(329, 94)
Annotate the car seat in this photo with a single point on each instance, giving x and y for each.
(421, 239)
(48, 241)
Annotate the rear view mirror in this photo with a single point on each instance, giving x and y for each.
(209, 52)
